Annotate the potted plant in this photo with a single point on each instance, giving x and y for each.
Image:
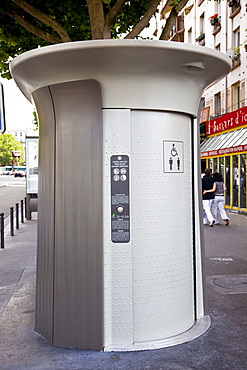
(200, 38)
(233, 3)
(214, 19)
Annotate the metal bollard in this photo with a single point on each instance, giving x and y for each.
(17, 215)
(22, 212)
(25, 207)
(12, 221)
(2, 229)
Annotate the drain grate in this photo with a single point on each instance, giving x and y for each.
(229, 284)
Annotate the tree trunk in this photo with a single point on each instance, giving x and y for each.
(144, 21)
(96, 16)
(42, 17)
(111, 16)
(165, 35)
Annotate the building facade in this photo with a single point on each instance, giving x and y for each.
(223, 123)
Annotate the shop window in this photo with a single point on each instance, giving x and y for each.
(222, 167)
(203, 165)
(210, 163)
(215, 165)
(235, 180)
(243, 165)
(227, 180)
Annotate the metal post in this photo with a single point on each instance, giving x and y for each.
(22, 212)
(25, 207)
(17, 215)
(2, 229)
(12, 221)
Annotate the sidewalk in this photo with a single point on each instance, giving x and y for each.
(223, 346)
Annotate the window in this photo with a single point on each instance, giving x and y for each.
(217, 5)
(236, 61)
(201, 38)
(243, 166)
(235, 180)
(190, 36)
(235, 96)
(202, 24)
(215, 165)
(227, 180)
(236, 41)
(235, 7)
(217, 104)
(221, 166)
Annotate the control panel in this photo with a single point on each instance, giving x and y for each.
(120, 207)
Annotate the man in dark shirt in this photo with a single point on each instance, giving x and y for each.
(208, 189)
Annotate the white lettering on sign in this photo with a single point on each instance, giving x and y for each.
(222, 259)
(227, 121)
(173, 156)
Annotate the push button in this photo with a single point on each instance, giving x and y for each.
(120, 209)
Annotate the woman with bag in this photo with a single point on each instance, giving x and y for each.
(219, 200)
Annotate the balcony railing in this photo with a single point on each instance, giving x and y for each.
(236, 61)
(241, 104)
(235, 6)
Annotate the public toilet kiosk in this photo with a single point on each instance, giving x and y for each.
(120, 245)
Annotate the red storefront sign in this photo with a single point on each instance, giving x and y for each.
(235, 149)
(226, 122)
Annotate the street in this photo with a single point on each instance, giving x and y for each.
(12, 190)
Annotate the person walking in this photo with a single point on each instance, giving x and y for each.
(208, 189)
(219, 200)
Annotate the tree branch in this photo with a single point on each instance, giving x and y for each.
(111, 16)
(96, 16)
(33, 29)
(165, 35)
(144, 21)
(42, 17)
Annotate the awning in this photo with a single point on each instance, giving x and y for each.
(225, 143)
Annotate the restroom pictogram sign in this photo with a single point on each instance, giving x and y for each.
(173, 156)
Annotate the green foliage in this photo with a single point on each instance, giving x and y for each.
(7, 144)
(71, 15)
(127, 19)
(15, 39)
(35, 120)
